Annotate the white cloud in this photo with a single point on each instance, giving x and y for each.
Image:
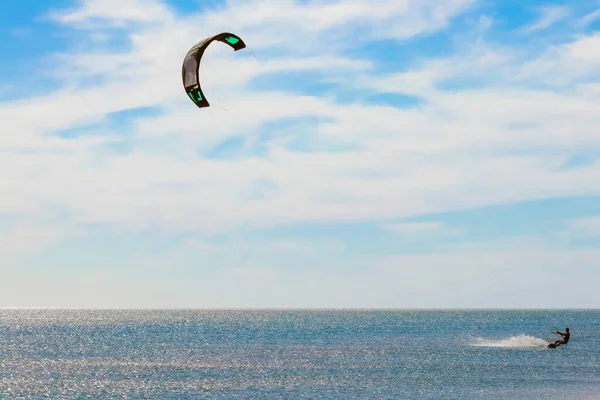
(564, 65)
(453, 151)
(586, 226)
(115, 12)
(585, 50)
(549, 16)
(412, 228)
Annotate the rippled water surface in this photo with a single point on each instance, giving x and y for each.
(297, 354)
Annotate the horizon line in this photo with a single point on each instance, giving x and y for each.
(304, 308)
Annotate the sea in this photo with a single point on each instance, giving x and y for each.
(298, 354)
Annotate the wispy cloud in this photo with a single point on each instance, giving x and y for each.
(589, 18)
(549, 16)
(112, 12)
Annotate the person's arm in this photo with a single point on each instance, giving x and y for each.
(561, 333)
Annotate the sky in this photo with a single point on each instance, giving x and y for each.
(357, 154)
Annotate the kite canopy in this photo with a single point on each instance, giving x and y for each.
(191, 64)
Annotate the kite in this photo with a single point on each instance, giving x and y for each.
(191, 64)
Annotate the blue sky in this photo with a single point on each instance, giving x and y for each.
(357, 154)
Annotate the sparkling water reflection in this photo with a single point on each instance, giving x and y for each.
(296, 354)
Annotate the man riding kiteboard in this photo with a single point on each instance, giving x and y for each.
(564, 340)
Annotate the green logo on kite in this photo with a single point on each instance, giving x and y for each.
(191, 94)
(232, 40)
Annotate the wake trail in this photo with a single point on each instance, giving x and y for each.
(518, 342)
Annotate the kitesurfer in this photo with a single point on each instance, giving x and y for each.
(565, 337)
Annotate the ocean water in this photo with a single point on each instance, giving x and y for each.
(324, 354)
